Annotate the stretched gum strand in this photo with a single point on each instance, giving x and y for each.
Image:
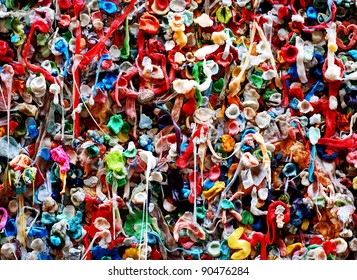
(227, 188)
(8, 81)
(76, 81)
(201, 151)
(182, 161)
(234, 85)
(21, 234)
(331, 33)
(299, 44)
(266, 159)
(149, 159)
(271, 56)
(37, 25)
(90, 245)
(268, 28)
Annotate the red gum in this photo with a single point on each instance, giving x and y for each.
(162, 4)
(333, 91)
(191, 197)
(271, 220)
(286, 92)
(97, 50)
(44, 28)
(254, 239)
(91, 54)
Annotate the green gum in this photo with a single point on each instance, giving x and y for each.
(218, 85)
(268, 93)
(201, 212)
(9, 4)
(115, 160)
(224, 14)
(226, 204)
(247, 217)
(42, 38)
(92, 151)
(115, 123)
(125, 50)
(199, 98)
(257, 80)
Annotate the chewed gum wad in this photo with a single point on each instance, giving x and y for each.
(178, 130)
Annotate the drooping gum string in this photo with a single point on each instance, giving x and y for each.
(22, 213)
(234, 86)
(97, 234)
(63, 177)
(146, 211)
(266, 160)
(217, 155)
(76, 91)
(227, 188)
(142, 228)
(8, 119)
(299, 44)
(33, 68)
(90, 114)
(333, 71)
(214, 4)
(116, 90)
(33, 191)
(353, 120)
(147, 175)
(114, 190)
(34, 220)
(202, 166)
(145, 215)
(13, 251)
(271, 56)
(206, 6)
(194, 181)
(62, 104)
(268, 28)
(331, 32)
(3, 98)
